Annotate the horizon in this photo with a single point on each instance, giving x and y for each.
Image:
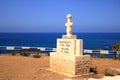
(62, 32)
(49, 16)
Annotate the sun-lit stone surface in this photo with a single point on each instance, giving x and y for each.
(69, 58)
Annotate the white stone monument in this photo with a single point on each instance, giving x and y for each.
(69, 58)
(69, 25)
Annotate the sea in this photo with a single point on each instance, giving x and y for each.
(91, 40)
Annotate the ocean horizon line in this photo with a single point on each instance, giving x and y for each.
(60, 32)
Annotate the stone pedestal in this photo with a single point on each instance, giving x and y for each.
(69, 58)
(70, 65)
(66, 37)
(72, 47)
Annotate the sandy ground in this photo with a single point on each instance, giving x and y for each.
(29, 68)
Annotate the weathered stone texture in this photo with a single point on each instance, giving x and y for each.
(71, 65)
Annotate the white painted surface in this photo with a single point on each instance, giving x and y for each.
(10, 48)
(87, 51)
(104, 52)
(107, 78)
(25, 47)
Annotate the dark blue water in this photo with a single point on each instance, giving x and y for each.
(91, 40)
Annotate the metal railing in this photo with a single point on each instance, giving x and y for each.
(96, 53)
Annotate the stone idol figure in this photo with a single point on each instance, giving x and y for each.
(69, 25)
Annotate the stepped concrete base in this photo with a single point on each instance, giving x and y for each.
(70, 65)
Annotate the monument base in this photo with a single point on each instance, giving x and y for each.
(71, 37)
(70, 65)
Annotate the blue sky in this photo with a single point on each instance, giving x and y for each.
(50, 15)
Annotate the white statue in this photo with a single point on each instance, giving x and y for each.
(69, 25)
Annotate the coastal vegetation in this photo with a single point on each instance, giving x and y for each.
(116, 47)
(14, 53)
(36, 56)
(108, 72)
(25, 54)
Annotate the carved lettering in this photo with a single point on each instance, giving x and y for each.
(64, 46)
